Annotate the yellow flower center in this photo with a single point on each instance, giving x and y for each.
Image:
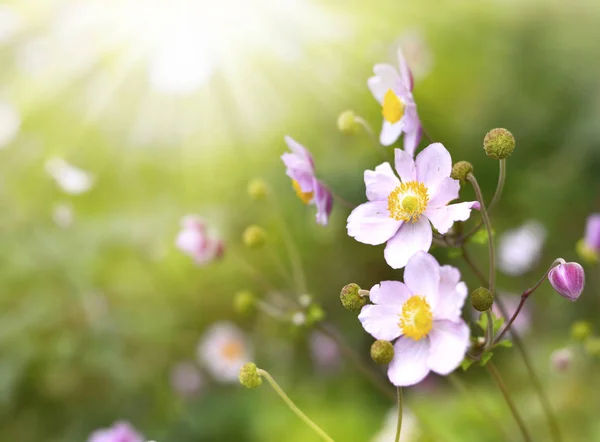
(305, 197)
(416, 319)
(408, 201)
(392, 108)
(232, 350)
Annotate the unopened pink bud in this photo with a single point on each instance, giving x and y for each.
(568, 280)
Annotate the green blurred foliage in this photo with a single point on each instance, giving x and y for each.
(93, 317)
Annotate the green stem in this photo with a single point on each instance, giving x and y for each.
(293, 406)
(399, 426)
(489, 336)
(488, 226)
(515, 412)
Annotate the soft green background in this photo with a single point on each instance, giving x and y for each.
(530, 66)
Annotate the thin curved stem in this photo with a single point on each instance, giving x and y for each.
(488, 226)
(293, 406)
(489, 335)
(515, 412)
(400, 413)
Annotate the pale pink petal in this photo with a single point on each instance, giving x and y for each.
(449, 343)
(389, 293)
(381, 321)
(299, 149)
(380, 182)
(405, 73)
(445, 192)
(433, 165)
(422, 276)
(386, 78)
(370, 223)
(405, 166)
(390, 132)
(411, 238)
(409, 365)
(443, 218)
(452, 294)
(412, 139)
(323, 200)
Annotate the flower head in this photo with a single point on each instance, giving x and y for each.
(401, 211)
(561, 359)
(393, 90)
(521, 248)
(423, 316)
(186, 379)
(223, 350)
(70, 179)
(568, 279)
(195, 241)
(119, 432)
(300, 167)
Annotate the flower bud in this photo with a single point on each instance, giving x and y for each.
(581, 330)
(254, 237)
(382, 352)
(460, 171)
(352, 299)
(586, 253)
(314, 314)
(499, 144)
(561, 360)
(257, 189)
(249, 376)
(347, 123)
(482, 299)
(244, 302)
(568, 280)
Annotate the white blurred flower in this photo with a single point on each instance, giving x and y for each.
(62, 215)
(324, 351)
(304, 300)
(298, 318)
(10, 123)
(417, 52)
(561, 359)
(195, 240)
(121, 431)
(223, 350)
(70, 179)
(410, 431)
(521, 248)
(10, 23)
(186, 379)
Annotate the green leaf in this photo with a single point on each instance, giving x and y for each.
(505, 343)
(482, 322)
(485, 358)
(466, 363)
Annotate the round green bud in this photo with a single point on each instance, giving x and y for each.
(481, 299)
(499, 144)
(314, 314)
(351, 298)
(581, 330)
(257, 189)
(382, 352)
(461, 170)
(244, 302)
(587, 255)
(254, 237)
(249, 376)
(347, 123)
(592, 346)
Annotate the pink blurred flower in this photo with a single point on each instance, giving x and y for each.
(325, 352)
(393, 90)
(592, 233)
(417, 52)
(520, 249)
(401, 211)
(300, 167)
(561, 359)
(423, 316)
(120, 432)
(195, 241)
(568, 279)
(186, 379)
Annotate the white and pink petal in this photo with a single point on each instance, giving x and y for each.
(409, 366)
(370, 223)
(389, 293)
(410, 238)
(443, 218)
(433, 165)
(449, 341)
(381, 321)
(380, 182)
(422, 277)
